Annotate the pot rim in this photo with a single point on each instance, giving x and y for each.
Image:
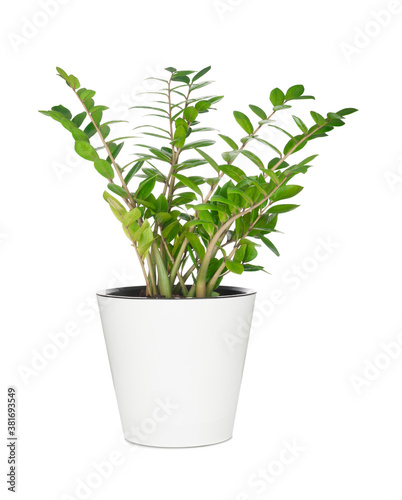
(114, 293)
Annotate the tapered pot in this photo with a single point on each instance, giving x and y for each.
(177, 364)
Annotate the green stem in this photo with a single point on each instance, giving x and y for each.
(163, 278)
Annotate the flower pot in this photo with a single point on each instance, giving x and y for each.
(177, 364)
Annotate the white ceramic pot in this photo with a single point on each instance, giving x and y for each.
(177, 364)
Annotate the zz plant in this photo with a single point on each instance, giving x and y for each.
(199, 227)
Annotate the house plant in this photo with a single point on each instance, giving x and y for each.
(188, 231)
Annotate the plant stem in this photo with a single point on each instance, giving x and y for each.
(129, 201)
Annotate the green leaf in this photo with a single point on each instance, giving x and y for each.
(346, 111)
(85, 94)
(145, 188)
(281, 106)
(178, 78)
(151, 107)
(281, 129)
(263, 141)
(202, 106)
(138, 231)
(69, 125)
(117, 208)
(277, 97)
(289, 146)
(133, 171)
(171, 70)
(286, 191)
(235, 190)
(131, 216)
(320, 120)
(253, 157)
(86, 151)
(162, 203)
(208, 158)
(198, 144)
(62, 73)
(53, 114)
(251, 268)
(208, 206)
(258, 111)
(230, 156)
(251, 253)
(115, 149)
(104, 168)
(78, 119)
(90, 130)
(280, 209)
(220, 199)
(64, 111)
(184, 73)
(190, 114)
(307, 160)
(79, 135)
(183, 198)
(201, 73)
(180, 136)
(269, 244)
(73, 82)
(233, 172)
(229, 141)
(94, 109)
(234, 267)
(117, 190)
(105, 131)
(302, 126)
(244, 122)
(189, 183)
(272, 175)
(196, 244)
(294, 92)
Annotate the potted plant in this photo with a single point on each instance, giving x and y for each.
(191, 219)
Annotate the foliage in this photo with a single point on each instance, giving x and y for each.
(195, 227)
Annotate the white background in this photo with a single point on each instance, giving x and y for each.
(59, 244)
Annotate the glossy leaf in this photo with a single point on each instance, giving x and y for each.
(253, 157)
(258, 111)
(208, 158)
(244, 121)
(280, 209)
(277, 97)
(302, 126)
(131, 216)
(104, 168)
(196, 244)
(190, 114)
(86, 151)
(229, 141)
(64, 111)
(234, 267)
(117, 190)
(136, 168)
(78, 119)
(201, 73)
(294, 92)
(189, 183)
(269, 244)
(286, 191)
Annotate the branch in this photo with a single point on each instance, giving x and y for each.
(130, 203)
